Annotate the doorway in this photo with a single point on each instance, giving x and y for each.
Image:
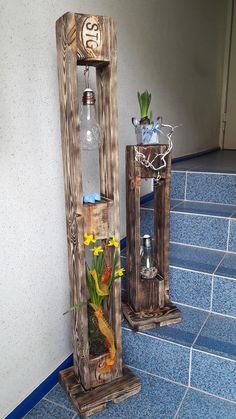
(229, 135)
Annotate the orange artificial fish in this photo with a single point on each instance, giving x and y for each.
(109, 337)
(106, 274)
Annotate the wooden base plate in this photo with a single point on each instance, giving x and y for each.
(148, 320)
(93, 401)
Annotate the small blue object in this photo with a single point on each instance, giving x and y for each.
(91, 198)
(97, 196)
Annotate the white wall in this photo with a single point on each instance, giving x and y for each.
(174, 48)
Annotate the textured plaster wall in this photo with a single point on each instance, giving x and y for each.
(174, 49)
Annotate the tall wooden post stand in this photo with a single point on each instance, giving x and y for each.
(90, 40)
(148, 299)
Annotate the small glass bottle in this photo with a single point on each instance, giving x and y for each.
(148, 270)
(147, 252)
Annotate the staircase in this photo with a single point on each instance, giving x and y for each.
(187, 370)
(199, 353)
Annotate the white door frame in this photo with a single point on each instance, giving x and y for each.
(226, 66)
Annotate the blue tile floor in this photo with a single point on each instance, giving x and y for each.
(158, 399)
(187, 370)
(181, 368)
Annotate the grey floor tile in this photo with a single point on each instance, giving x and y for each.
(222, 161)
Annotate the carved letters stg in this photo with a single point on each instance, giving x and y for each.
(91, 33)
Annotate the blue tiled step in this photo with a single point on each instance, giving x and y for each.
(199, 352)
(203, 279)
(182, 373)
(206, 187)
(211, 226)
(214, 358)
(200, 278)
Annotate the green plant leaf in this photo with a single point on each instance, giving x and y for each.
(144, 102)
(151, 117)
(91, 286)
(73, 308)
(99, 266)
(140, 101)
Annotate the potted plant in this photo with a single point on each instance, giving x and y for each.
(147, 131)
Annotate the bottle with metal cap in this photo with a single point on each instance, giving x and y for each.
(148, 270)
(91, 138)
(90, 131)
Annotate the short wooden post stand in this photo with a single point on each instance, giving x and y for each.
(148, 299)
(90, 40)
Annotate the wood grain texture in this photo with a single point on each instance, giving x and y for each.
(150, 152)
(133, 177)
(109, 168)
(84, 39)
(148, 300)
(93, 39)
(89, 402)
(98, 219)
(69, 111)
(162, 225)
(149, 319)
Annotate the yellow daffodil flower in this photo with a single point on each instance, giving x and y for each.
(89, 239)
(96, 250)
(113, 242)
(120, 272)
